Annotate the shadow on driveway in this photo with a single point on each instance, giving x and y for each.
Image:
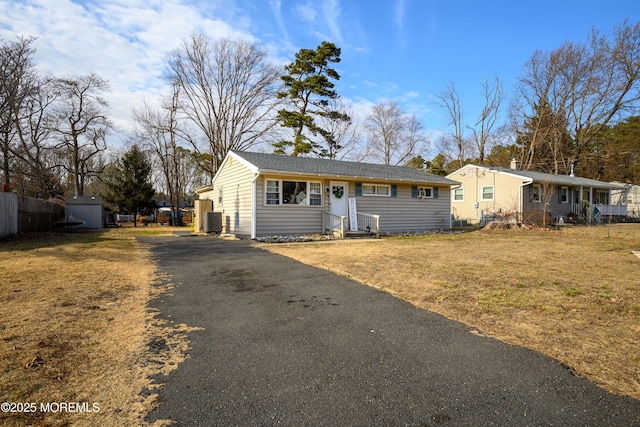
(289, 344)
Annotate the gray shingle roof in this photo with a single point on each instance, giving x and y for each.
(337, 168)
(573, 181)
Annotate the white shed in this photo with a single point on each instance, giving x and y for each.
(87, 208)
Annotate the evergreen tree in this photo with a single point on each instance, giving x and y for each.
(614, 153)
(438, 165)
(309, 88)
(131, 188)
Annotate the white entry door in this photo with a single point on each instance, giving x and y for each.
(339, 199)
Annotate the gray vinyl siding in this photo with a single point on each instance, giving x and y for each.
(404, 213)
(397, 214)
(235, 181)
(278, 220)
(555, 208)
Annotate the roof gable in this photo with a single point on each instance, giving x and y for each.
(337, 168)
(567, 180)
(540, 177)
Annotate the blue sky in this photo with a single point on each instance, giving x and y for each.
(405, 50)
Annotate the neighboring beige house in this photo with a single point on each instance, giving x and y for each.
(262, 194)
(632, 200)
(525, 196)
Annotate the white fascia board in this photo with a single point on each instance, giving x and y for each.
(253, 168)
(514, 174)
(465, 167)
(230, 154)
(363, 178)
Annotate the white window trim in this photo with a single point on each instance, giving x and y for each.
(376, 186)
(567, 194)
(281, 190)
(422, 191)
(606, 197)
(493, 194)
(454, 195)
(533, 194)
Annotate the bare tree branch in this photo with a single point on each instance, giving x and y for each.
(82, 125)
(228, 90)
(393, 135)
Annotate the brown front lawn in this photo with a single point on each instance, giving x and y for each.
(572, 294)
(75, 332)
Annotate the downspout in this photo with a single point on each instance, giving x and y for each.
(451, 199)
(520, 214)
(254, 200)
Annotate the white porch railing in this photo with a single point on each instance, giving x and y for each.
(369, 223)
(581, 210)
(334, 224)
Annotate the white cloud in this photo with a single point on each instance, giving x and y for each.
(276, 6)
(306, 11)
(328, 27)
(399, 16)
(412, 94)
(124, 42)
(399, 13)
(332, 10)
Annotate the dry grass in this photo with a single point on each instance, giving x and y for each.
(572, 294)
(74, 327)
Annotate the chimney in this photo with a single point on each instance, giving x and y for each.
(515, 165)
(572, 173)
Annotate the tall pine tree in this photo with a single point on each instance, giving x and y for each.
(309, 88)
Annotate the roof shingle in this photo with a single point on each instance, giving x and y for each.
(338, 168)
(568, 180)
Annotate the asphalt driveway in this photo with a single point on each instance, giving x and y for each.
(284, 343)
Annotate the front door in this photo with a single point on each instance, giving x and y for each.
(339, 199)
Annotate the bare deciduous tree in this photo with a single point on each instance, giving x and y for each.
(17, 76)
(81, 125)
(33, 144)
(394, 136)
(228, 90)
(450, 101)
(587, 85)
(547, 191)
(340, 136)
(160, 132)
(493, 94)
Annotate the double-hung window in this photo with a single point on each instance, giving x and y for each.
(563, 194)
(487, 193)
(376, 190)
(458, 195)
(273, 192)
(283, 192)
(536, 192)
(315, 194)
(425, 192)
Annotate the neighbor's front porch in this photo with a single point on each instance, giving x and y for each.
(592, 212)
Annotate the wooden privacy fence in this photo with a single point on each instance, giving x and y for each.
(19, 214)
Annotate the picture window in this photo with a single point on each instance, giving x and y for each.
(293, 193)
